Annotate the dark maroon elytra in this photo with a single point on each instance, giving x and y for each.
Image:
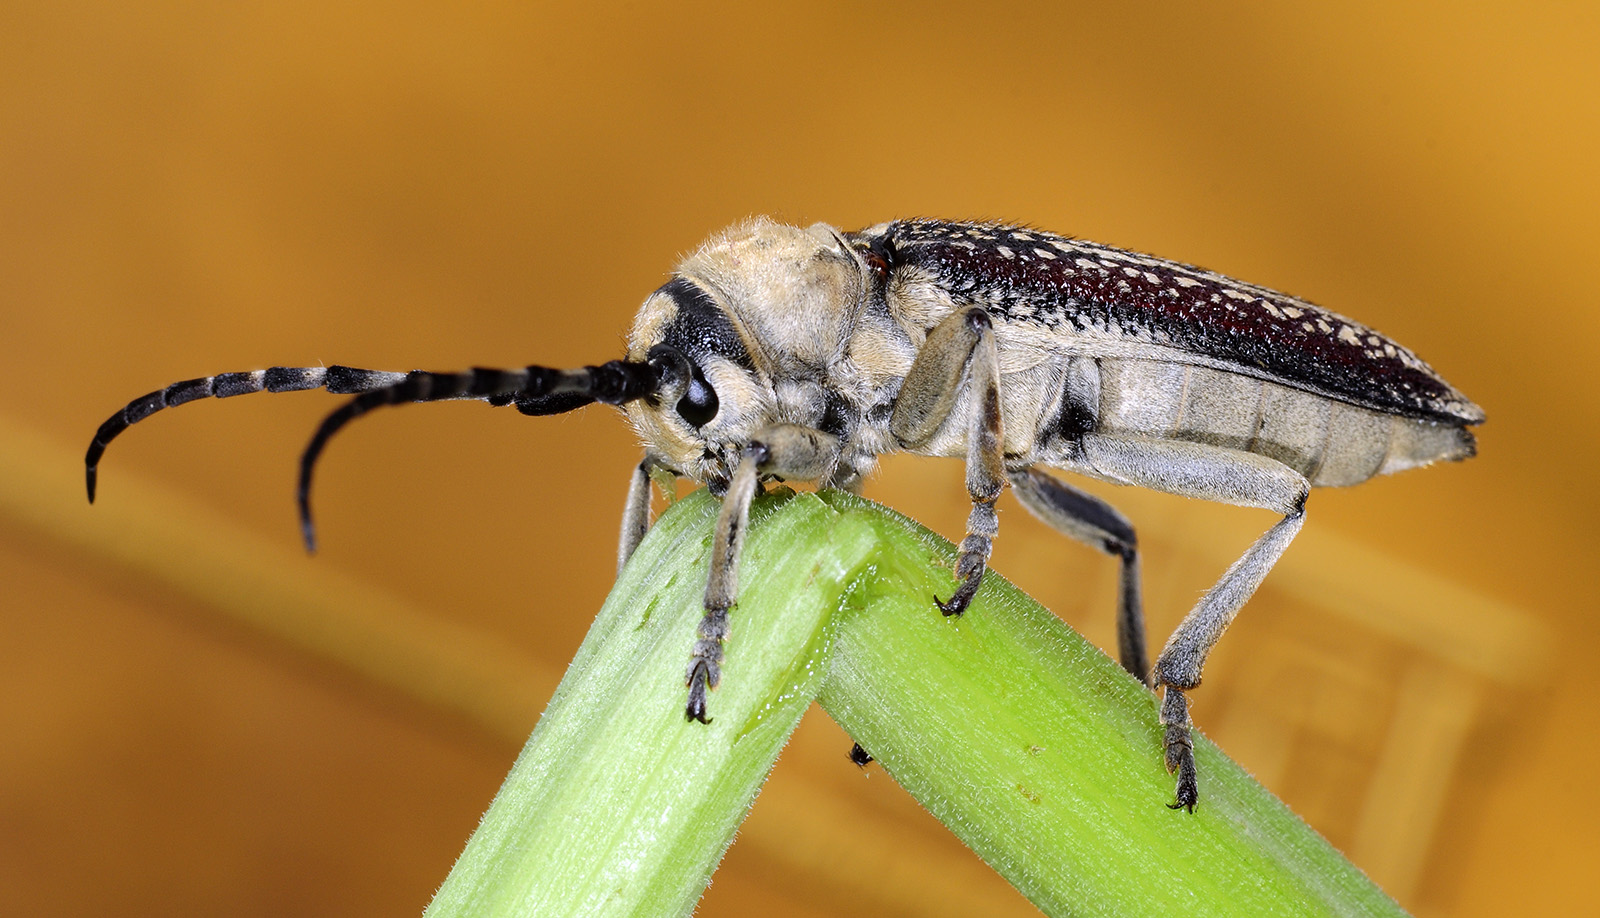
(1092, 290)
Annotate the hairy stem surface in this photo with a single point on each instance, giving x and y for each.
(1036, 749)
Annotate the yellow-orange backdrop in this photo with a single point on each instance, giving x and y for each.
(189, 188)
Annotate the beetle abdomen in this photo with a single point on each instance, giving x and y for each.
(1332, 443)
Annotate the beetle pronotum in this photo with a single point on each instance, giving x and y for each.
(805, 354)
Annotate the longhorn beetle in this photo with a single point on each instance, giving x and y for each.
(780, 352)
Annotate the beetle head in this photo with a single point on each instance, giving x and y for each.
(757, 309)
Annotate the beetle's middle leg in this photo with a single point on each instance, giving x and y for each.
(1094, 522)
(960, 348)
(784, 451)
(1225, 476)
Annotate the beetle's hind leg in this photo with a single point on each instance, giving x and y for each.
(960, 349)
(1225, 476)
(1094, 522)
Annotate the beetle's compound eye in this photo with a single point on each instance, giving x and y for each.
(699, 403)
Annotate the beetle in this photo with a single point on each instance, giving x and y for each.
(805, 353)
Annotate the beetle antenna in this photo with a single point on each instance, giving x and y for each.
(336, 379)
(534, 390)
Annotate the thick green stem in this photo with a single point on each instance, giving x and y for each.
(617, 805)
(1036, 749)
(1045, 757)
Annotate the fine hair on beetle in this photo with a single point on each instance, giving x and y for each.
(803, 354)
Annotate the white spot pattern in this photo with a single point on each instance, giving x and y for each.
(1249, 323)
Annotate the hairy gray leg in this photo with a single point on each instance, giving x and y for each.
(785, 450)
(1093, 522)
(1214, 474)
(635, 513)
(961, 346)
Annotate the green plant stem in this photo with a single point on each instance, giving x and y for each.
(617, 805)
(1031, 745)
(1044, 756)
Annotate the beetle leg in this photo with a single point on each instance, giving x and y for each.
(636, 512)
(859, 756)
(1093, 522)
(961, 345)
(782, 450)
(1215, 474)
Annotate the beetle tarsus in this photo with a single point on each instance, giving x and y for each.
(705, 663)
(962, 597)
(970, 565)
(699, 681)
(860, 756)
(1180, 759)
(1178, 743)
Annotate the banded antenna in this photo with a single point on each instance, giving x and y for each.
(534, 390)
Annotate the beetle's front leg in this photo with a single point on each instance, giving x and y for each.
(636, 512)
(960, 348)
(783, 450)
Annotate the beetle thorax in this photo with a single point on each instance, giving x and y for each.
(794, 291)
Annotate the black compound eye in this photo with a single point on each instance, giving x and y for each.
(699, 403)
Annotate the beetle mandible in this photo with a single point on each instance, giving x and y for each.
(781, 352)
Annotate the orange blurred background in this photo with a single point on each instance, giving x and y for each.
(192, 188)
